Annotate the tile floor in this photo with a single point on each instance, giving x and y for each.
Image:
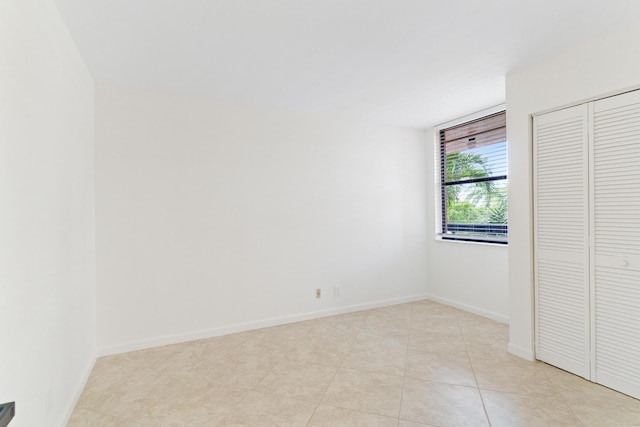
(417, 364)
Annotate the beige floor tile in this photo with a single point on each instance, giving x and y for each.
(608, 412)
(490, 329)
(376, 358)
(487, 344)
(224, 345)
(382, 337)
(302, 380)
(336, 329)
(433, 312)
(330, 416)
(401, 311)
(593, 404)
(292, 328)
(271, 344)
(242, 370)
(490, 346)
(355, 319)
(84, 418)
(440, 367)
(520, 378)
(491, 351)
(436, 324)
(192, 356)
(259, 409)
(436, 342)
(444, 322)
(490, 338)
(442, 404)
(192, 403)
(387, 322)
(431, 307)
(397, 313)
(365, 391)
(263, 377)
(188, 360)
(507, 410)
(117, 389)
(472, 324)
(144, 395)
(322, 351)
(404, 423)
(576, 388)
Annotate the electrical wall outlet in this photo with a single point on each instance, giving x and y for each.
(318, 293)
(336, 291)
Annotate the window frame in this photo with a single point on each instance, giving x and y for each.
(440, 189)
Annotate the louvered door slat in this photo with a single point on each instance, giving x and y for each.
(616, 252)
(561, 237)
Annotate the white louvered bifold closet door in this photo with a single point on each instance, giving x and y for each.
(561, 238)
(616, 242)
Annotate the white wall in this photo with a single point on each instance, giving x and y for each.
(600, 67)
(47, 270)
(467, 275)
(215, 217)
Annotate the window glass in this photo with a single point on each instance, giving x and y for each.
(473, 173)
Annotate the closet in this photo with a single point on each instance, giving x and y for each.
(587, 240)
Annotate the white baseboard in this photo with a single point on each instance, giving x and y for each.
(470, 308)
(248, 326)
(525, 353)
(78, 391)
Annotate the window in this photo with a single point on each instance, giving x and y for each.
(473, 180)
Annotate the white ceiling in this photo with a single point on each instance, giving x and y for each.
(403, 62)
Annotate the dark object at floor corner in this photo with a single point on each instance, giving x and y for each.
(7, 412)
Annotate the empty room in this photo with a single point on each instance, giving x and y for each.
(319, 213)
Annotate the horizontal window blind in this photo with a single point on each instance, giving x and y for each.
(473, 172)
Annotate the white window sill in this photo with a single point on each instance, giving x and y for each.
(471, 242)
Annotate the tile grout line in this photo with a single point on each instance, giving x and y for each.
(198, 363)
(115, 417)
(484, 407)
(245, 390)
(564, 399)
(231, 411)
(406, 358)
(330, 382)
(285, 359)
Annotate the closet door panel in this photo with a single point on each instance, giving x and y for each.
(561, 239)
(616, 239)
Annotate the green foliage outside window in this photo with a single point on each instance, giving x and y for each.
(475, 203)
